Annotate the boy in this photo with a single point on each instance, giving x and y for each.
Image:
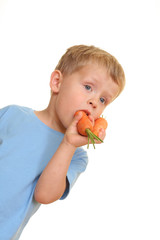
(40, 151)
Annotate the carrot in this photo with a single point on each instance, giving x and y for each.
(86, 128)
(99, 124)
(84, 123)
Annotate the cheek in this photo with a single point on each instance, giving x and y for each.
(63, 110)
(67, 103)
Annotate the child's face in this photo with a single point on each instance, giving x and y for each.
(89, 89)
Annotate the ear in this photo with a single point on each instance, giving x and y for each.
(55, 81)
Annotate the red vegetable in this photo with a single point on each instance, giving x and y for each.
(84, 124)
(99, 124)
(86, 128)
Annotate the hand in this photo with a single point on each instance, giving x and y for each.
(72, 136)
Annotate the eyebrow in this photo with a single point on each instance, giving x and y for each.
(106, 92)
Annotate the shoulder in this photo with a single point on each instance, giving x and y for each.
(12, 109)
(15, 116)
(5, 110)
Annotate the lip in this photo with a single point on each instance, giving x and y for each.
(86, 111)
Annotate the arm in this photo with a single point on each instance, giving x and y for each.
(52, 182)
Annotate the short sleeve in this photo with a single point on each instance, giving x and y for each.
(3, 111)
(77, 166)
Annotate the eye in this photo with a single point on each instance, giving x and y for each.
(87, 87)
(102, 100)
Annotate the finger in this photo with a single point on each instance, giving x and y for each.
(102, 134)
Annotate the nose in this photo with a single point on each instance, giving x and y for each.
(93, 103)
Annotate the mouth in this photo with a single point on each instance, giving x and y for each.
(86, 112)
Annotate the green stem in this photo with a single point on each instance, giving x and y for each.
(92, 136)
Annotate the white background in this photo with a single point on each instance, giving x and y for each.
(118, 195)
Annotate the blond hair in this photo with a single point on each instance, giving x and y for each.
(78, 56)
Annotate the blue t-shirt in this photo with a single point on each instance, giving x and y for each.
(26, 146)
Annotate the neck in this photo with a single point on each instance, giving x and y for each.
(49, 116)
